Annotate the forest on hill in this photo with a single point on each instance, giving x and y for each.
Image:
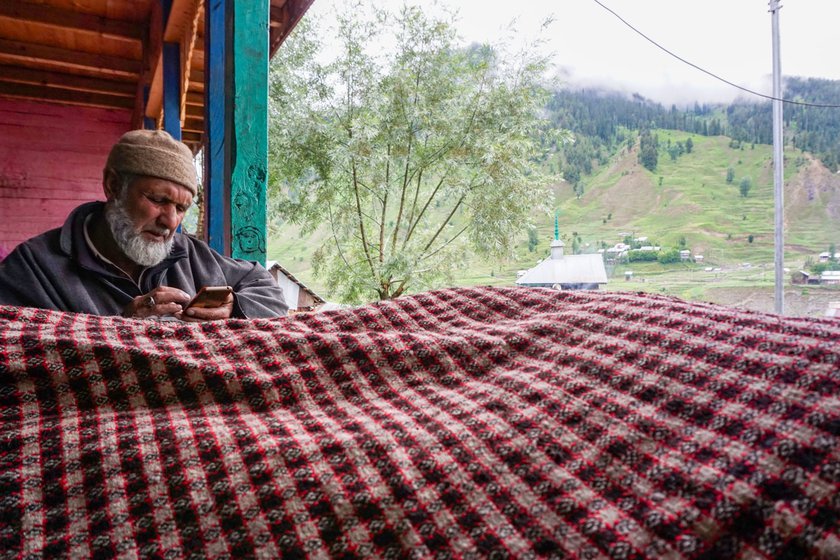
(602, 121)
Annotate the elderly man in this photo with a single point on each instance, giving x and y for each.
(124, 256)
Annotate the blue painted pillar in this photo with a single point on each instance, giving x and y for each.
(216, 165)
(236, 124)
(172, 89)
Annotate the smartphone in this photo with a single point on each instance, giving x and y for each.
(210, 296)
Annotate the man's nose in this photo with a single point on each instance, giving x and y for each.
(169, 217)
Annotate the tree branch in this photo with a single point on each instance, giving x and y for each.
(443, 224)
(360, 217)
(444, 245)
(384, 200)
(425, 207)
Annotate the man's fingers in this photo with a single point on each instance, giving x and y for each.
(166, 294)
(208, 313)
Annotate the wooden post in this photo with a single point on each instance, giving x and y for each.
(248, 135)
(237, 127)
(172, 89)
(216, 162)
(148, 124)
(171, 79)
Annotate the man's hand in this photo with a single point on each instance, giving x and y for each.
(163, 300)
(196, 314)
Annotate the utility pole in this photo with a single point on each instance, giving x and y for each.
(778, 161)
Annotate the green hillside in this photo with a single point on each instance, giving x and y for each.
(690, 199)
(687, 200)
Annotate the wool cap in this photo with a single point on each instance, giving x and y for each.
(154, 153)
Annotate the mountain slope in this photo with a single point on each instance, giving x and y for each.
(689, 198)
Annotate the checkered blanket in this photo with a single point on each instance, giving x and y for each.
(462, 423)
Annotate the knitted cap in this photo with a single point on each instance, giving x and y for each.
(154, 153)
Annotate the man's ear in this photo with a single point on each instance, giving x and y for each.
(110, 184)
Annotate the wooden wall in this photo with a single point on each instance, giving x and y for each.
(51, 160)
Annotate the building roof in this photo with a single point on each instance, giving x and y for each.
(567, 269)
(270, 265)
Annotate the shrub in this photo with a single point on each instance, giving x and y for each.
(669, 256)
(642, 256)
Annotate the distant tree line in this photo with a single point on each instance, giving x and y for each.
(603, 122)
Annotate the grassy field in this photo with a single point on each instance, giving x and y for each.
(684, 199)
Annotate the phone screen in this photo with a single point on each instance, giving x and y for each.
(210, 296)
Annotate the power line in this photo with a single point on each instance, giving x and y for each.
(712, 74)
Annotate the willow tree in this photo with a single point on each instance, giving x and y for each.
(409, 156)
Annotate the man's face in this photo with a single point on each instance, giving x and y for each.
(144, 216)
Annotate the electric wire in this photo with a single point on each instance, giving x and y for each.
(713, 75)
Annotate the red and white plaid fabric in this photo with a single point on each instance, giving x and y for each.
(462, 423)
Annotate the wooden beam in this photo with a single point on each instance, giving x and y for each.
(41, 93)
(75, 59)
(68, 19)
(196, 78)
(154, 68)
(191, 138)
(194, 125)
(180, 20)
(279, 16)
(287, 14)
(60, 80)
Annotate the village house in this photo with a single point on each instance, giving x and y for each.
(830, 278)
(566, 272)
(297, 295)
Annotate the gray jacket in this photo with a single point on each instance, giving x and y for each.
(57, 270)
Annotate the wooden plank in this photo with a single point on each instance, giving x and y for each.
(70, 19)
(196, 79)
(249, 158)
(52, 116)
(61, 80)
(39, 93)
(179, 21)
(279, 16)
(216, 178)
(188, 41)
(154, 66)
(192, 139)
(172, 89)
(51, 159)
(23, 195)
(71, 58)
(194, 125)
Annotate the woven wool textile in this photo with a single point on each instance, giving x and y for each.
(461, 423)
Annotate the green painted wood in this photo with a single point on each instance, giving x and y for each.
(249, 130)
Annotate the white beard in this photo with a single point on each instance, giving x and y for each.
(130, 240)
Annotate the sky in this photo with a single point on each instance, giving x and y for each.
(730, 38)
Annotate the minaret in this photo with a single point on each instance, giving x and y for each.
(557, 245)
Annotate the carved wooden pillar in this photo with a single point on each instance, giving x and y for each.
(237, 125)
